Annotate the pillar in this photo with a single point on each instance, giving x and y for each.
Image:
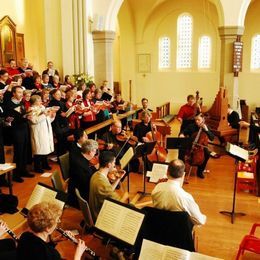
(228, 35)
(103, 56)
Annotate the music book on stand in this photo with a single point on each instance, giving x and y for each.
(159, 171)
(128, 155)
(152, 250)
(237, 152)
(43, 192)
(120, 221)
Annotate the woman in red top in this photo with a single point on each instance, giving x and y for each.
(74, 122)
(89, 116)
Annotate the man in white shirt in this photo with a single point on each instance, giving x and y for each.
(171, 196)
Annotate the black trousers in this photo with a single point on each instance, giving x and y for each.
(21, 144)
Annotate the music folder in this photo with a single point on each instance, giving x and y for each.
(178, 142)
(128, 155)
(43, 192)
(237, 152)
(120, 221)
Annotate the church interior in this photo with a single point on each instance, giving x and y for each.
(161, 50)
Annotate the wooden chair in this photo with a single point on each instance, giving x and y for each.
(64, 166)
(250, 242)
(57, 182)
(88, 219)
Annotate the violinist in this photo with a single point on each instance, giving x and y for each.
(100, 187)
(192, 131)
(111, 141)
(81, 171)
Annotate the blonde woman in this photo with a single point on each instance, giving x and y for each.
(41, 133)
(36, 244)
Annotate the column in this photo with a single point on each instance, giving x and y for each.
(103, 56)
(228, 35)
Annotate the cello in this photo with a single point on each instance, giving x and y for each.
(159, 153)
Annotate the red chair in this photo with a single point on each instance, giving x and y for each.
(246, 175)
(250, 242)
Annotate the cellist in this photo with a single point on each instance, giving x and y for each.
(199, 131)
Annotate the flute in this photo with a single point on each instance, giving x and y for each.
(11, 233)
(75, 241)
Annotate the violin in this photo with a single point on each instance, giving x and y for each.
(103, 144)
(123, 137)
(114, 175)
(94, 161)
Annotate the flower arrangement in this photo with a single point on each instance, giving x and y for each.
(82, 77)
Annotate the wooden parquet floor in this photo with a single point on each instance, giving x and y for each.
(218, 237)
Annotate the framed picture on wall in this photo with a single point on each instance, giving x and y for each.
(20, 53)
(144, 63)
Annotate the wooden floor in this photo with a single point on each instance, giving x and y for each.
(218, 237)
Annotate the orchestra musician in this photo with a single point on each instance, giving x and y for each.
(187, 112)
(192, 131)
(43, 219)
(7, 245)
(81, 171)
(145, 105)
(144, 127)
(111, 140)
(234, 120)
(171, 196)
(100, 187)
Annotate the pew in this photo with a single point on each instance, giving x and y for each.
(163, 112)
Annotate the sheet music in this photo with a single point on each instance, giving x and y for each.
(119, 221)
(153, 250)
(127, 157)
(40, 194)
(237, 151)
(159, 171)
(70, 111)
(5, 166)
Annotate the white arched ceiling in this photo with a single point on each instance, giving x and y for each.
(105, 14)
(243, 11)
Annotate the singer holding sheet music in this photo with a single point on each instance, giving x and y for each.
(37, 244)
(171, 196)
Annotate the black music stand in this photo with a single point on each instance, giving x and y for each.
(180, 143)
(237, 157)
(143, 150)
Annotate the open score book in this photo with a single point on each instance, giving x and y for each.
(152, 250)
(42, 192)
(119, 221)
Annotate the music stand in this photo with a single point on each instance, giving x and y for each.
(234, 151)
(143, 150)
(180, 143)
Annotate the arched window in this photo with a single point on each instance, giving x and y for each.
(164, 53)
(204, 56)
(184, 41)
(255, 52)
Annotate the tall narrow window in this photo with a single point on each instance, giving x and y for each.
(255, 52)
(164, 53)
(184, 41)
(204, 52)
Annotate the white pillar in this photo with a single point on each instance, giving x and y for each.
(103, 56)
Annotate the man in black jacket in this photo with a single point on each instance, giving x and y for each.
(19, 132)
